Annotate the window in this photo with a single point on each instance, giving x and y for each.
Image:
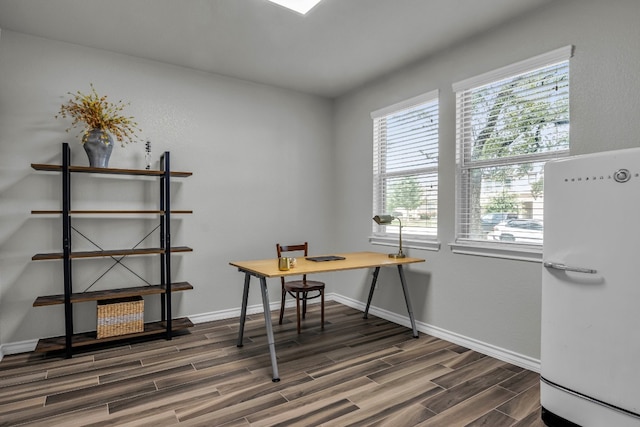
(405, 171)
(509, 122)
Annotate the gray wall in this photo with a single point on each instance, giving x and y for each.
(494, 301)
(250, 147)
(244, 141)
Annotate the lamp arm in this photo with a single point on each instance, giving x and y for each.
(385, 220)
(400, 243)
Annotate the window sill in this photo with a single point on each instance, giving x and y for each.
(407, 243)
(498, 250)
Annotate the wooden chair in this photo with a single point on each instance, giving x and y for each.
(300, 289)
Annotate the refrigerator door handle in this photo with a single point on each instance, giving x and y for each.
(559, 266)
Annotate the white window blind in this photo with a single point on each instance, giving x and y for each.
(405, 167)
(509, 122)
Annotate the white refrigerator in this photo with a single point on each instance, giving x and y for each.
(590, 349)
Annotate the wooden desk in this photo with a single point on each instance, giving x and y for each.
(355, 260)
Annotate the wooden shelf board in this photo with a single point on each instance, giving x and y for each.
(109, 212)
(110, 293)
(89, 338)
(108, 171)
(108, 253)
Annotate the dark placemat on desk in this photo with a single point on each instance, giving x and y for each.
(325, 258)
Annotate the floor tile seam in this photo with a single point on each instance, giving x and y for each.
(283, 396)
(94, 371)
(115, 400)
(172, 355)
(453, 355)
(345, 394)
(483, 356)
(505, 389)
(481, 372)
(43, 390)
(339, 360)
(323, 389)
(22, 374)
(515, 420)
(536, 384)
(312, 408)
(241, 406)
(4, 413)
(353, 366)
(516, 395)
(92, 389)
(12, 372)
(424, 401)
(129, 358)
(174, 409)
(356, 366)
(434, 366)
(188, 359)
(192, 381)
(4, 388)
(484, 391)
(399, 404)
(49, 417)
(481, 392)
(142, 376)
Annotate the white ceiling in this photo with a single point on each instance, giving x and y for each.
(338, 46)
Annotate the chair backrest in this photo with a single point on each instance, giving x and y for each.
(285, 250)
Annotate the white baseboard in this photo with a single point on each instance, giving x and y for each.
(251, 309)
(17, 347)
(499, 353)
(508, 356)
(30, 345)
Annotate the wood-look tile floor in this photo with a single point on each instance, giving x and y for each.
(356, 372)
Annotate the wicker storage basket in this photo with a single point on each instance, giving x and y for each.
(120, 316)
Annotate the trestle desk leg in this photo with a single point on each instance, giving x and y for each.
(408, 301)
(243, 310)
(267, 323)
(373, 287)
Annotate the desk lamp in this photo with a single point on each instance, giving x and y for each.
(384, 220)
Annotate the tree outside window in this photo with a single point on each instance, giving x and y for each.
(405, 167)
(506, 130)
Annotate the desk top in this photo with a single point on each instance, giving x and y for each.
(353, 260)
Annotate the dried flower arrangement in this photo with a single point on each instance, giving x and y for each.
(96, 112)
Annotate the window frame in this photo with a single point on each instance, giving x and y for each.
(462, 243)
(379, 234)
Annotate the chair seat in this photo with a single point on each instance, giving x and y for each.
(299, 285)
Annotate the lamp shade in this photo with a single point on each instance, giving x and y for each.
(383, 219)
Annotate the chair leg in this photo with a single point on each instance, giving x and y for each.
(284, 294)
(322, 308)
(304, 305)
(298, 309)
